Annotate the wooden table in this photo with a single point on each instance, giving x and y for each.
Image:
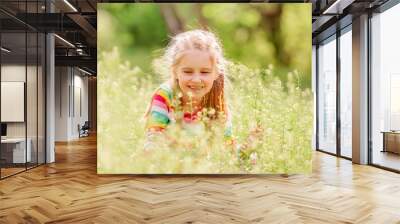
(391, 141)
(13, 150)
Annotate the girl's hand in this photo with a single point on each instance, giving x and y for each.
(257, 131)
(252, 139)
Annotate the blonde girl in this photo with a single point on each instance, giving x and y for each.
(196, 83)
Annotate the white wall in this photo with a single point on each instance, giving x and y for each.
(71, 87)
(62, 81)
(80, 110)
(13, 101)
(12, 73)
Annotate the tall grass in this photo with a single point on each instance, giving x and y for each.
(272, 125)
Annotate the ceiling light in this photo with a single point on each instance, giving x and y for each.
(337, 7)
(86, 72)
(79, 51)
(70, 5)
(64, 40)
(5, 50)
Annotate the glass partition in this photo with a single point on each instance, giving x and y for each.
(32, 95)
(22, 88)
(14, 154)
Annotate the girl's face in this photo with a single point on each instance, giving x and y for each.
(196, 74)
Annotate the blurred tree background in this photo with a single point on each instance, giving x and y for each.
(256, 35)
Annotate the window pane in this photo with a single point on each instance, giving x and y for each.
(327, 96)
(346, 93)
(386, 89)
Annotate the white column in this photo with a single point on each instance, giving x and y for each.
(50, 99)
(360, 90)
(50, 92)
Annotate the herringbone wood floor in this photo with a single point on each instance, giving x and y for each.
(70, 191)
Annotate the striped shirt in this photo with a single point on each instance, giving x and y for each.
(162, 113)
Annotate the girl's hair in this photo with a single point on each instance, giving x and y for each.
(205, 41)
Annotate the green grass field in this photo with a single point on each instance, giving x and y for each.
(281, 111)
